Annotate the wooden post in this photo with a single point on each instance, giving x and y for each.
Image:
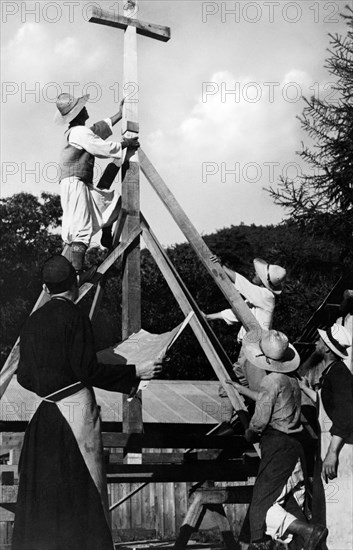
(131, 281)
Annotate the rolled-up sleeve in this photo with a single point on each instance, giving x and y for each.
(90, 139)
(264, 405)
(259, 296)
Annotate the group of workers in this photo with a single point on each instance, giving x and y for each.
(62, 500)
(267, 374)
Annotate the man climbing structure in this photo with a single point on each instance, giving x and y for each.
(86, 209)
(260, 295)
(276, 511)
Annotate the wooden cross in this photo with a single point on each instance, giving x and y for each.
(131, 300)
(131, 281)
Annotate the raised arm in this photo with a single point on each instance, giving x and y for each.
(119, 115)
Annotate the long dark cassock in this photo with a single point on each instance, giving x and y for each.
(62, 501)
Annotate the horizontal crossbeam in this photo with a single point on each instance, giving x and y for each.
(102, 17)
(230, 470)
(149, 441)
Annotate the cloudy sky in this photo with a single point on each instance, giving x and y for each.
(217, 103)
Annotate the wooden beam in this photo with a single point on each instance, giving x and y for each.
(192, 519)
(230, 470)
(131, 278)
(108, 262)
(103, 17)
(237, 443)
(236, 302)
(202, 330)
(169, 458)
(226, 495)
(110, 172)
(126, 497)
(100, 287)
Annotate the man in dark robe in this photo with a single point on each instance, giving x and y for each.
(62, 500)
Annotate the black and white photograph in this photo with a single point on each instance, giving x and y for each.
(176, 275)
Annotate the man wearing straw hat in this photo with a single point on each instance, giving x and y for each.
(86, 209)
(62, 500)
(334, 401)
(276, 510)
(260, 294)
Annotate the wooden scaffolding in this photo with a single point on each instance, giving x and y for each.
(226, 458)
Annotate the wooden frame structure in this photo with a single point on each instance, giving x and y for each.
(130, 226)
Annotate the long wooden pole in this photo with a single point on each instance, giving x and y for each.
(200, 327)
(236, 302)
(131, 280)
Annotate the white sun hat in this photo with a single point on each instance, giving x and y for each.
(338, 339)
(272, 276)
(271, 352)
(68, 107)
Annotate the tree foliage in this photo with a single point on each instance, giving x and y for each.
(322, 199)
(27, 238)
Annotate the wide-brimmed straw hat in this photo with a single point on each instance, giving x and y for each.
(271, 352)
(338, 339)
(272, 276)
(68, 107)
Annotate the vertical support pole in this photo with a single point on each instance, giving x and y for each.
(131, 282)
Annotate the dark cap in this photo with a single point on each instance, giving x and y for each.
(58, 274)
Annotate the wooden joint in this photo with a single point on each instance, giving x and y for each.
(131, 126)
(103, 17)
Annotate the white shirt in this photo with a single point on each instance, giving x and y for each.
(260, 300)
(82, 137)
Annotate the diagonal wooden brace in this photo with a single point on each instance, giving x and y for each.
(236, 302)
(109, 261)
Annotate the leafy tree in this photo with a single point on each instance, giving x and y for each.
(26, 240)
(322, 199)
(28, 232)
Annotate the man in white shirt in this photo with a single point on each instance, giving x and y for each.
(260, 296)
(86, 209)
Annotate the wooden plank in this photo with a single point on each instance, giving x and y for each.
(159, 507)
(126, 497)
(226, 470)
(236, 302)
(181, 503)
(137, 440)
(148, 509)
(195, 430)
(110, 172)
(8, 493)
(100, 287)
(131, 277)
(226, 495)
(102, 17)
(202, 330)
(108, 262)
(192, 518)
(169, 510)
(169, 458)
